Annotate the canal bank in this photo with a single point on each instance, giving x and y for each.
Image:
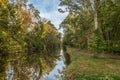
(86, 67)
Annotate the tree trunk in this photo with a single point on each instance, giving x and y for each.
(96, 20)
(95, 13)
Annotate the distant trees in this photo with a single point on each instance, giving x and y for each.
(92, 24)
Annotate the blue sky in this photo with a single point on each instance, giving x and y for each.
(49, 10)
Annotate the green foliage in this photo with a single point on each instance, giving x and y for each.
(75, 28)
(109, 21)
(23, 30)
(80, 27)
(96, 42)
(80, 76)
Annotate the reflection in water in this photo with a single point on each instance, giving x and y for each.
(23, 68)
(56, 73)
(3, 61)
(9, 72)
(49, 66)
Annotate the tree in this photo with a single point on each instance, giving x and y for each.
(86, 16)
(77, 5)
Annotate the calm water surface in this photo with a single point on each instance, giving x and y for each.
(49, 66)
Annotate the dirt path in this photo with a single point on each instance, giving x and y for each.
(100, 55)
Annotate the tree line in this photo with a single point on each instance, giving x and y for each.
(92, 24)
(22, 29)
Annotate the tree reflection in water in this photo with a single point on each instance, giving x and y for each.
(31, 67)
(58, 72)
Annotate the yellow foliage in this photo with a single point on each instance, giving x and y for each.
(3, 3)
(4, 33)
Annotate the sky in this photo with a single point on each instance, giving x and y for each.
(49, 10)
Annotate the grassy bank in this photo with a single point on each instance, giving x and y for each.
(86, 67)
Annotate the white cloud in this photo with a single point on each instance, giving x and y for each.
(55, 17)
(49, 10)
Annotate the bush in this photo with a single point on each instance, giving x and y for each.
(97, 43)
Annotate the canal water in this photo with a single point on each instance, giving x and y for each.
(49, 66)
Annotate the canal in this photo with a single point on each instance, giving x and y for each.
(48, 66)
